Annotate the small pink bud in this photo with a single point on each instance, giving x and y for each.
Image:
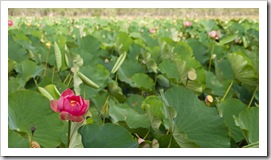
(10, 23)
(152, 30)
(140, 140)
(214, 34)
(187, 24)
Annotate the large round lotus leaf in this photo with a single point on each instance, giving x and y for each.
(29, 109)
(196, 124)
(106, 136)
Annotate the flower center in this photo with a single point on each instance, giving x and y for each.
(73, 103)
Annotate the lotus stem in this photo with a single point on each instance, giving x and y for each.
(71, 77)
(210, 61)
(227, 91)
(53, 74)
(69, 133)
(147, 134)
(170, 142)
(47, 57)
(66, 78)
(250, 102)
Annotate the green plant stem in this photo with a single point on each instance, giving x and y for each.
(250, 102)
(104, 110)
(69, 134)
(227, 91)
(147, 134)
(169, 142)
(70, 80)
(66, 78)
(210, 61)
(36, 83)
(47, 57)
(30, 141)
(53, 74)
(186, 82)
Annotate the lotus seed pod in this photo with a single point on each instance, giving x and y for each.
(192, 75)
(28, 24)
(35, 144)
(208, 100)
(48, 45)
(73, 70)
(213, 56)
(106, 60)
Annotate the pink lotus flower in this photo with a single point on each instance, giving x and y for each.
(152, 30)
(70, 106)
(214, 34)
(10, 23)
(187, 24)
(140, 140)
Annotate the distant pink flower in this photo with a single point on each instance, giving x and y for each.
(10, 23)
(152, 30)
(187, 23)
(70, 106)
(140, 140)
(214, 34)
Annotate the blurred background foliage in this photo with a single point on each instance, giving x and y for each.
(225, 13)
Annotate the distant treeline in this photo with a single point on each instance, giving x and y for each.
(178, 12)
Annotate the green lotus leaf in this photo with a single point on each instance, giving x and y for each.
(29, 109)
(196, 125)
(106, 136)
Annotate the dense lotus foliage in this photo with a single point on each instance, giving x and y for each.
(151, 82)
